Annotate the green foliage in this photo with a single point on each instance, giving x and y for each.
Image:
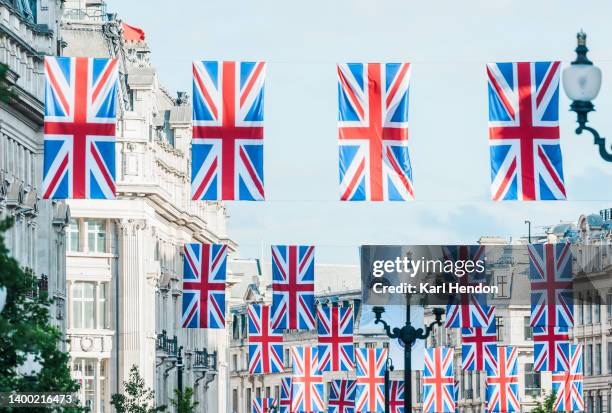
(25, 330)
(5, 91)
(547, 406)
(183, 401)
(137, 398)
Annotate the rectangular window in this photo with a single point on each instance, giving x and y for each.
(499, 326)
(532, 381)
(235, 362)
(72, 236)
(417, 380)
(477, 384)
(609, 306)
(502, 285)
(234, 400)
(96, 235)
(597, 360)
(579, 309)
(84, 370)
(248, 400)
(588, 311)
(597, 309)
(83, 305)
(610, 360)
(103, 306)
(527, 331)
(588, 360)
(287, 357)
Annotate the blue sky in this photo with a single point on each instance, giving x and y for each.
(449, 43)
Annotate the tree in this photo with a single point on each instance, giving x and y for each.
(547, 406)
(137, 398)
(26, 334)
(6, 93)
(183, 401)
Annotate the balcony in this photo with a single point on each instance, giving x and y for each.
(167, 346)
(203, 360)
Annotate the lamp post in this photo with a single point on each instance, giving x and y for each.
(528, 222)
(179, 369)
(581, 82)
(408, 335)
(388, 383)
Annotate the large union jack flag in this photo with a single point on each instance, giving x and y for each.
(204, 286)
(293, 305)
(551, 348)
(263, 404)
(335, 329)
(371, 365)
(373, 132)
(502, 381)
(265, 343)
(80, 117)
(567, 385)
(524, 131)
(341, 396)
(467, 310)
(284, 403)
(550, 272)
(438, 381)
(307, 382)
(227, 146)
(478, 346)
(396, 396)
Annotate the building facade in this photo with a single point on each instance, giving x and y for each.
(28, 32)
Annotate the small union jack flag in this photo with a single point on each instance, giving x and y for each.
(284, 404)
(227, 146)
(80, 117)
(307, 381)
(371, 365)
(551, 348)
(524, 131)
(396, 396)
(341, 396)
(263, 404)
(438, 381)
(373, 132)
(293, 305)
(265, 343)
(204, 286)
(335, 328)
(478, 346)
(567, 385)
(502, 381)
(550, 272)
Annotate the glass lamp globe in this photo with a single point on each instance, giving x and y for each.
(2, 298)
(581, 82)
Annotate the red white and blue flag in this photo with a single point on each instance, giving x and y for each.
(307, 381)
(265, 343)
(478, 346)
(263, 404)
(550, 273)
(438, 381)
(335, 336)
(341, 396)
(373, 132)
(79, 129)
(502, 381)
(371, 365)
(551, 348)
(293, 303)
(524, 131)
(284, 403)
(204, 274)
(396, 396)
(228, 116)
(567, 385)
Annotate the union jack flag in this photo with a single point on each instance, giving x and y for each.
(524, 131)
(478, 346)
(472, 309)
(293, 305)
(284, 404)
(371, 366)
(373, 132)
(551, 348)
(227, 146)
(204, 286)
(335, 328)
(567, 385)
(438, 381)
(307, 381)
(396, 396)
(550, 272)
(265, 343)
(502, 381)
(263, 404)
(80, 117)
(341, 396)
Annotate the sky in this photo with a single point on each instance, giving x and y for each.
(449, 43)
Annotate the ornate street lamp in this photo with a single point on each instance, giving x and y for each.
(408, 335)
(581, 82)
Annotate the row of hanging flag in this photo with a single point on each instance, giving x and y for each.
(228, 130)
(303, 390)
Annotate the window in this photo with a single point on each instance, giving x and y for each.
(72, 236)
(235, 362)
(599, 404)
(477, 384)
(588, 360)
(532, 381)
(258, 392)
(610, 360)
(587, 310)
(502, 285)
(527, 331)
(580, 311)
(84, 371)
(597, 309)
(103, 305)
(417, 380)
(96, 235)
(83, 305)
(467, 385)
(499, 326)
(234, 400)
(597, 360)
(248, 400)
(609, 306)
(287, 358)
(267, 391)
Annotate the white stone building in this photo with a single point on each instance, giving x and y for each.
(28, 31)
